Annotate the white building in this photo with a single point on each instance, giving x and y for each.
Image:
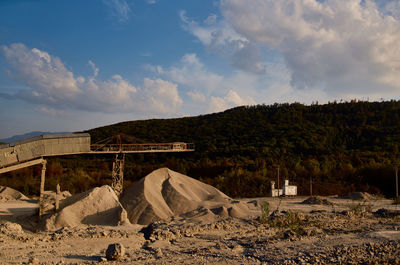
(275, 192)
(287, 190)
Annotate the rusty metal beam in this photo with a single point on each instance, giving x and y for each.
(22, 165)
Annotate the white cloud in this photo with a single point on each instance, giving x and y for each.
(231, 99)
(119, 9)
(193, 75)
(217, 104)
(210, 92)
(248, 58)
(234, 98)
(50, 111)
(196, 96)
(348, 48)
(207, 90)
(95, 69)
(213, 34)
(220, 37)
(211, 19)
(151, 1)
(54, 87)
(161, 95)
(38, 69)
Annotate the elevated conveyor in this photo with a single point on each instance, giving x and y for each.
(32, 151)
(42, 146)
(73, 144)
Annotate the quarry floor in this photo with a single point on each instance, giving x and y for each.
(347, 232)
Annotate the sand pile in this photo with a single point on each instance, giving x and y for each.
(9, 194)
(316, 200)
(98, 206)
(165, 193)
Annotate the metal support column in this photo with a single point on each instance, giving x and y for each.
(118, 173)
(58, 192)
(42, 181)
(397, 182)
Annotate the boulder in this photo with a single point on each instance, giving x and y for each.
(115, 252)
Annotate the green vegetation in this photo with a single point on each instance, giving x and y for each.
(293, 220)
(264, 212)
(343, 147)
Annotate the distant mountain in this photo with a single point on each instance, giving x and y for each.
(26, 135)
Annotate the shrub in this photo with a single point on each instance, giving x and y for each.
(264, 212)
(360, 208)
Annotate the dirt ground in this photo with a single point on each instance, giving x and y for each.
(344, 231)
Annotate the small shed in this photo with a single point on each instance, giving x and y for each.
(275, 192)
(287, 190)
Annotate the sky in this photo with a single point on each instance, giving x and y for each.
(72, 65)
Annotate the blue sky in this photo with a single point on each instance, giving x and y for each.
(75, 65)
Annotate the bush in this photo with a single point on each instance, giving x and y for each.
(264, 212)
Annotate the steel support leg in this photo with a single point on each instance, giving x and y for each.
(42, 181)
(118, 174)
(58, 192)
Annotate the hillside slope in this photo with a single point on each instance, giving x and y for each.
(296, 128)
(341, 147)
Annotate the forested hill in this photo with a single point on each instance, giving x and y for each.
(341, 146)
(293, 129)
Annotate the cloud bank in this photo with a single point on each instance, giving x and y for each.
(220, 37)
(52, 85)
(211, 91)
(347, 49)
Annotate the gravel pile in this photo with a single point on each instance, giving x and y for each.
(317, 201)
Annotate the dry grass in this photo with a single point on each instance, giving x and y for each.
(360, 208)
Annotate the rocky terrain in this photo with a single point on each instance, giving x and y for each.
(286, 238)
(356, 229)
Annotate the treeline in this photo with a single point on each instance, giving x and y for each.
(341, 147)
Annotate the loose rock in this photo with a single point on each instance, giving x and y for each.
(115, 252)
